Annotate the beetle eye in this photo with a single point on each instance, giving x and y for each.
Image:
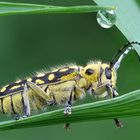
(108, 73)
(89, 71)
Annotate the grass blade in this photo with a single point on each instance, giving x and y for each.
(7, 8)
(127, 105)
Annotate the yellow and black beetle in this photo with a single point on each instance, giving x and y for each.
(62, 86)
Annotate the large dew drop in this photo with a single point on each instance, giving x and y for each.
(106, 18)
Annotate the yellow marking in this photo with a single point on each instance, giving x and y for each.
(7, 104)
(15, 87)
(40, 74)
(73, 67)
(3, 89)
(6, 86)
(38, 81)
(29, 79)
(17, 103)
(69, 76)
(55, 70)
(51, 77)
(63, 70)
(18, 81)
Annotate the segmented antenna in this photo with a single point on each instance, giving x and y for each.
(118, 57)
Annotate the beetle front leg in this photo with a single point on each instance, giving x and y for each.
(112, 92)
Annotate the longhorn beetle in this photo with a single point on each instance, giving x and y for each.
(63, 86)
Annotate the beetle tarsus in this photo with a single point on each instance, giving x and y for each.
(118, 123)
(67, 110)
(67, 126)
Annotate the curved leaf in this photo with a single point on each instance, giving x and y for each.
(7, 8)
(123, 106)
(128, 18)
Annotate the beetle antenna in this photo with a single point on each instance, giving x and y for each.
(118, 57)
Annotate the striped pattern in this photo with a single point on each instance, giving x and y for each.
(47, 78)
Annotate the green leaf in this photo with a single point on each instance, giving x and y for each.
(7, 8)
(123, 106)
(128, 20)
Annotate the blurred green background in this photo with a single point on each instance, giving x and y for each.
(29, 43)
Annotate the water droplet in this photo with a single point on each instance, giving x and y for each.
(106, 18)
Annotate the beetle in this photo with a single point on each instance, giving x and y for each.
(63, 86)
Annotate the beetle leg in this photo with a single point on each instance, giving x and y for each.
(112, 92)
(67, 126)
(26, 104)
(37, 90)
(117, 122)
(53, 101)
(40, 92)
(67, 110)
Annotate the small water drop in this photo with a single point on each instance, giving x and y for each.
(106, 18)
